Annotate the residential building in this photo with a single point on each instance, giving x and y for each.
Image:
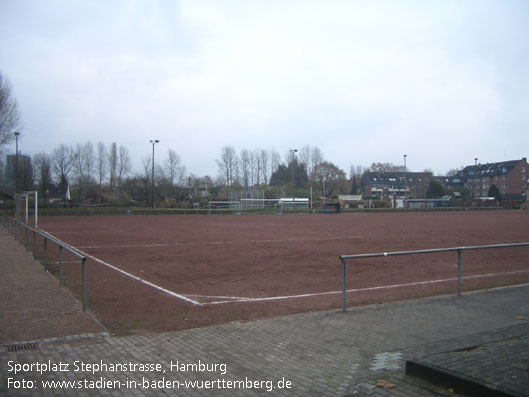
(391, 185)
(511, 178)
(25, 173)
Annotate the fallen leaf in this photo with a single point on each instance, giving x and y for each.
(521, 318)
(385, 384)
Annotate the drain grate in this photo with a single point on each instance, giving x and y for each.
(22, 347)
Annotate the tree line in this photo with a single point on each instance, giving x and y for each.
(105, 173)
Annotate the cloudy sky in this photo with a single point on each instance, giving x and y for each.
(365, 81)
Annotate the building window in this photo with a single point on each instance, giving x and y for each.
(523, 169)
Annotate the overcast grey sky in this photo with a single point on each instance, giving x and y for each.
(365, 81)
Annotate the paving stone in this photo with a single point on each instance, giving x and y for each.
(321, 354)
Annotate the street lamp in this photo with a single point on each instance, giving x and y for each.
(16, 162)
(293, 152)
(152, 193)
(476, 185)
(405, 177)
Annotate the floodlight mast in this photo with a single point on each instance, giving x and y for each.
(405, 180)
(16, 161)
(152, 192)
(476, 181)
(293, 152)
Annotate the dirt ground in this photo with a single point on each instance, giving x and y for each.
(32, 305)
(214, 260)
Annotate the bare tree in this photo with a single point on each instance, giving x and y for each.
(228, 165)
(316, 158)
(275, 161)
(245, 167)
(79, 166)
(62, 158)
(453, 171)
(173, 168)
(265, 159)
(101, 163)
(83, 164)
(304, 157)
(145, 177)
(113, 164)
(311, 158)
(124, 165)
(252, 166)
(386, 167)
(10, 119)
(42, 173)
(356, 170)
(256, 166)
(88, 159)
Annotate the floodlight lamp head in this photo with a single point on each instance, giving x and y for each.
(17, 133)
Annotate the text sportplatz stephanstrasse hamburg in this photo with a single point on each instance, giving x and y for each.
(22, 376)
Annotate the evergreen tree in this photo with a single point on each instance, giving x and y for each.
(435, 190)
(494, 192)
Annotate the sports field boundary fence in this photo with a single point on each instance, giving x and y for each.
(345, 258)
(108, 211)
(21, 232)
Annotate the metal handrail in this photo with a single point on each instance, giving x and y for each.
(14, 224)
(345, 258)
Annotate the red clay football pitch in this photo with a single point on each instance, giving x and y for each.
(160, 273)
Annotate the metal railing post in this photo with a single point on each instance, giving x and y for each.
(344, 293)
(83, 261)
(61, 283)
(459, 272)
(459, 250)
(45, 254)
(15, 229)
(34, 245)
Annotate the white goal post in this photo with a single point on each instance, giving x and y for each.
(251, 205)
(23, 210)
(294, 204)
(223, 205)
(260, 206)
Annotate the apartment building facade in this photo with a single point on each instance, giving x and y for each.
(386, 185)
(511, 178)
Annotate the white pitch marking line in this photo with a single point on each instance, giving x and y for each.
(364, 289)
(216, 296)
(219, 242)
(141, 280)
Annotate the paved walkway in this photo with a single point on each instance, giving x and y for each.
(316, 354)
(31, 303)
